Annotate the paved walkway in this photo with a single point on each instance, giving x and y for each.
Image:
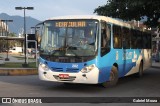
(12, 58)
(16, 71)
(156, 64)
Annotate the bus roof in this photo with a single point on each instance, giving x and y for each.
(98, 17)
(107, 19)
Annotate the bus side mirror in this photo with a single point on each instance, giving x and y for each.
(38, 37)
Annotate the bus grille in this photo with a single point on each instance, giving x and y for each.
(57, 69)
(70, 70)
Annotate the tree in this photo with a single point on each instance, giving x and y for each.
(12, 34)
(132, 9)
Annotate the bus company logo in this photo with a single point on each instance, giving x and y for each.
(74, 65)
(6, 100)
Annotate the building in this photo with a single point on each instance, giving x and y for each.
(13, 41)
(3, 28)
(156, 43)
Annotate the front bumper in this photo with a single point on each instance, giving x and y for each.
(78, 77)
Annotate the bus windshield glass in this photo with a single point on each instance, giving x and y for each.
(69, 38)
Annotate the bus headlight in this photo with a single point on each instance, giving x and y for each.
(44, 67)
(88, 68)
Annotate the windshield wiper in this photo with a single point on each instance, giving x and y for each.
(70, 49)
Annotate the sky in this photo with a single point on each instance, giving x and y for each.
(44, 9)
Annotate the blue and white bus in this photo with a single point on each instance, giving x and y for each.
(91, 50)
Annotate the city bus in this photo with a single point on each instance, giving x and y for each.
(91, 50)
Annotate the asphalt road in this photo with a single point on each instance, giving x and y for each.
(131, 86)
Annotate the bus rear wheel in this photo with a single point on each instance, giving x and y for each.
(113, 79)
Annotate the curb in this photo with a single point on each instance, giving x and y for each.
(155, 67)
(18, 71)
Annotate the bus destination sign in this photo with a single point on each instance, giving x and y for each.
(70, 24)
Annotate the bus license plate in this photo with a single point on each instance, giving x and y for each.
(63, 76)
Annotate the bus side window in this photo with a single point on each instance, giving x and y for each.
(126, 38)
(136, 39)
(133, 39)
(117, 37)
(105, 38)
(148, 36)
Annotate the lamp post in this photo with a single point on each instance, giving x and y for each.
(25, 43)
(7, 59)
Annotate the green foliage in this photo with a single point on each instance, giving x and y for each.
(132, 9)
(12, 34)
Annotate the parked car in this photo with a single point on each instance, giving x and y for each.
(16, 50)
(4, 50)
(33, 53)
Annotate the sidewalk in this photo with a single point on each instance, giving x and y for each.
(156, 64)
(12, 58)
(16, 71)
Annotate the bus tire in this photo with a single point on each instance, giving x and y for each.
(113, 79)
(140, 72)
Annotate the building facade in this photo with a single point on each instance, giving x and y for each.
(3, 28)
(5, 38)
(156, 44)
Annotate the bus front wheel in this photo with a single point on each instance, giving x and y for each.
(113, 79)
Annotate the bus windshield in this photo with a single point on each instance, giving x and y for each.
(69, 38)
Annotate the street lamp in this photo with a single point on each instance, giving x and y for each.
(7, 59)
(25, 44)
